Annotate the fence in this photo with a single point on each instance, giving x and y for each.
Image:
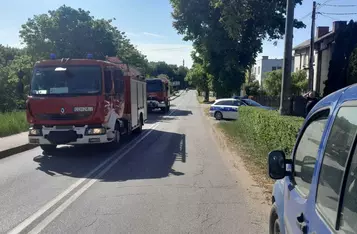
(298, 103)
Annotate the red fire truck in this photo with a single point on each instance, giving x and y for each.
(158, 94)
(84, 101)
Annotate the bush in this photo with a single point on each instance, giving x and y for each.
(12, 123)
(261, 131)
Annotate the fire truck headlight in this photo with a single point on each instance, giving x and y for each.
(35, 132)
(95, 131)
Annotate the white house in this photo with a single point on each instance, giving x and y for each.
(264, 65)
(324, 46)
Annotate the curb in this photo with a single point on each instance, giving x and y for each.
(16, 150)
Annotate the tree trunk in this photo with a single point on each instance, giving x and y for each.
(207, 95)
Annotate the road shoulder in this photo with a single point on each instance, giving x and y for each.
(255, 186)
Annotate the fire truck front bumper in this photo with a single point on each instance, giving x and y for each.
(69, 135)
(155, 104)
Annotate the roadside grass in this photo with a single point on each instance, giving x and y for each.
(255, 134)
(12, 123)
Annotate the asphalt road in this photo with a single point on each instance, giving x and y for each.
(172, 178)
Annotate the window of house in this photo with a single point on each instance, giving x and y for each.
(273, 68)
(334, 162)
(278, 68)
(306, 152)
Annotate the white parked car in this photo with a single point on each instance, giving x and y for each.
(225, 108)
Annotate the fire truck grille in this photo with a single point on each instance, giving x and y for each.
(64, 117)
(152, 99)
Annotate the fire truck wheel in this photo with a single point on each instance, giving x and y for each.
(140, 128)
(48, 148)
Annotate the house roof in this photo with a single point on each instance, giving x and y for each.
(306, 44)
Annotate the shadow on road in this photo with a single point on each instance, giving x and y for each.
(155, 117)
(152, 158)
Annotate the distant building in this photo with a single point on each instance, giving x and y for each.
(264, 65)
(324, 46)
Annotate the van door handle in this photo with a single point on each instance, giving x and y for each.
(300, 222)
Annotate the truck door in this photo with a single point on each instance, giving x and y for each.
(108, 90)
(134, 101)
(118, 92)
(297, 191)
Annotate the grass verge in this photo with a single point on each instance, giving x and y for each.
(256, 133)
(12, 123)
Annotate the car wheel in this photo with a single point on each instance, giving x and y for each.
(274, 224)
(218, 115)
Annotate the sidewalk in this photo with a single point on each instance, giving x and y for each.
(14, 144)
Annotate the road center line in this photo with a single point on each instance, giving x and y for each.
(66, 203)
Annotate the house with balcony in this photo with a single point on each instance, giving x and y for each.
(323, 49)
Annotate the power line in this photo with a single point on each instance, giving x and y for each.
(327, 13)
(330, 5)
(327, 16)
(320, 5)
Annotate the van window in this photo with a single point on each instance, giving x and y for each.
(307, 150)
(349, 208)
(334, 162)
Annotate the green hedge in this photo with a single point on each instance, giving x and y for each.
(261, 131)
(12, 123)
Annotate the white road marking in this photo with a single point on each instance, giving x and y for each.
(66, 203)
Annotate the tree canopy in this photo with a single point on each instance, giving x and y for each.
(71, 33)
(227, 35)
(272, 82)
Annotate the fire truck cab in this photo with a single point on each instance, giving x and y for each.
(84, 101)
(158, 94)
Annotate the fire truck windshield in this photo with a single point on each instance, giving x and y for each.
(154, 86)
(69, 80)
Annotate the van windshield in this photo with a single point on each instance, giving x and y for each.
(154, 86)
(70, 80)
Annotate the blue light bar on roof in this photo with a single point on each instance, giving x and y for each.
(52, 56)
(89, 56)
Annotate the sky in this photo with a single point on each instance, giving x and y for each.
(148, 23)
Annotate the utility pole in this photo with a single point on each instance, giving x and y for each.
(312, 49)
(183, 63)
(286, 82)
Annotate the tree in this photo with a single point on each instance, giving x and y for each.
(198, 77)
(68, 32)
(339, 68)
(252, 88)
(199, 21)
(272, 82)
(352, 67)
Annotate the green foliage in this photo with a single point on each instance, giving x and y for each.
(219, 55)
(199, 78)
(341, 69)
(263, 131)
(173, 72)
(12, 123)
(353, 67)
(252, 88)
(272, 82)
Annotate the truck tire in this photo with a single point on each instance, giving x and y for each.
(48, 148)
(139, 129)
(117, 137)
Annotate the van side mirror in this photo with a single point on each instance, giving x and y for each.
(277, 164)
